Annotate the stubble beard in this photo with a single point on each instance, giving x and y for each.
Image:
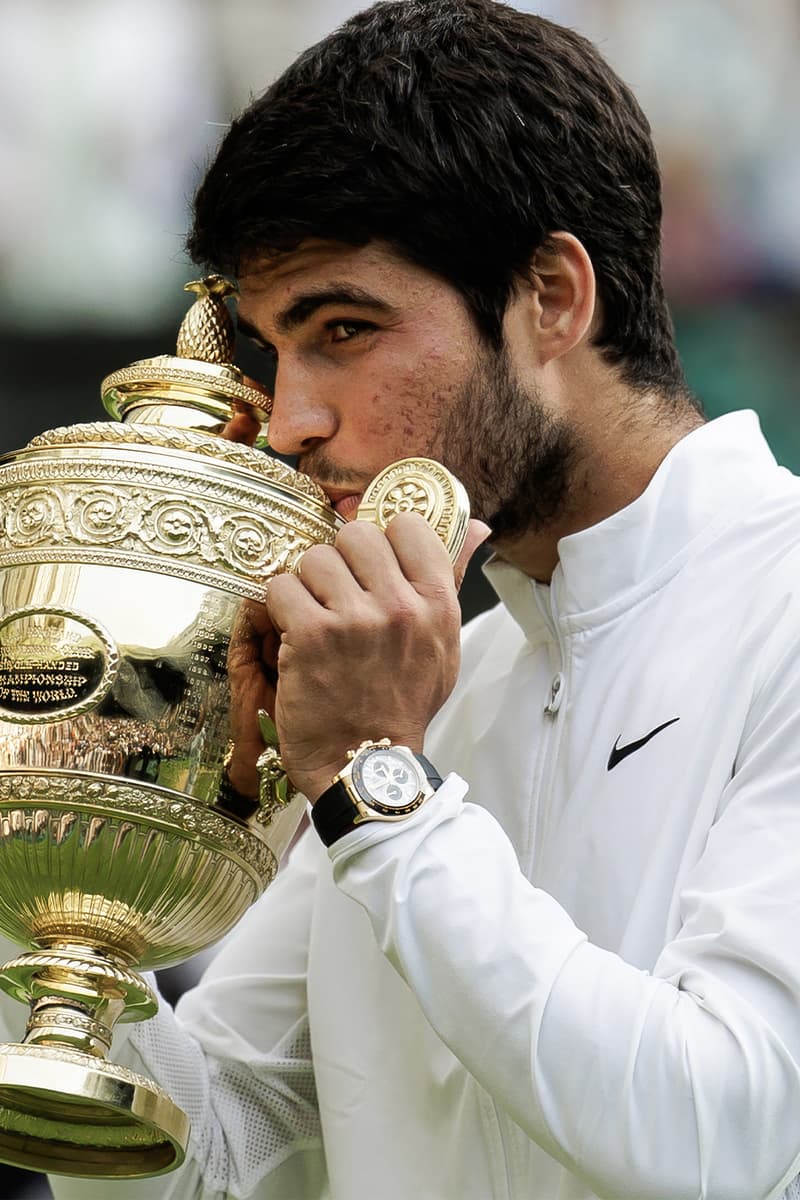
(515, 458)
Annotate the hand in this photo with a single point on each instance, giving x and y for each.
(369, 643)
(253, 676)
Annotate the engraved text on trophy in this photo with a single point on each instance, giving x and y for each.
(52, 663)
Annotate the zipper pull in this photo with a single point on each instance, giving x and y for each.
(556, 692)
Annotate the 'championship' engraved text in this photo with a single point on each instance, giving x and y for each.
(49, 662)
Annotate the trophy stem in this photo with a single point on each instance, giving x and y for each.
(53, 1023)
(77, 993)
(63, 1106)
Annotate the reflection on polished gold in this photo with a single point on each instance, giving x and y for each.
(422, 486)
(129, 553)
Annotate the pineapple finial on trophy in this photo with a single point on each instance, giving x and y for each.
(207, 331)
(199, 387)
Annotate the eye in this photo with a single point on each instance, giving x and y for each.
(345, 331)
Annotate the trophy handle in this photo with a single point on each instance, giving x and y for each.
(423, 486)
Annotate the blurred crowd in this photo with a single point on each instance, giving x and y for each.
(109, 110)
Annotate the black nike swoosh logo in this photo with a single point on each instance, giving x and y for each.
(620, 752)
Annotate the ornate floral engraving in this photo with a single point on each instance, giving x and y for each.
(33, 516)
(407, 497)
(174, 526)
(424, 486)
(99, 515)
(113, 433)
(155, 516)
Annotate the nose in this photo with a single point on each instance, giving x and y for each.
(301, 414)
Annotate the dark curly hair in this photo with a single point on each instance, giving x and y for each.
(462, 132)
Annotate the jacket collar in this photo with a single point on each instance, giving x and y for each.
(708, 480)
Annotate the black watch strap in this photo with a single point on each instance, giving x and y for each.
(334, 813)
(234, 802)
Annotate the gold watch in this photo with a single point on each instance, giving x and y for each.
(380, 782)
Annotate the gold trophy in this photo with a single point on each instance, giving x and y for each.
(129, 552)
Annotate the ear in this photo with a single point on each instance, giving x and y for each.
(561, 296)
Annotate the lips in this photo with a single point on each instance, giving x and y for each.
(347, 506)
(345, 502)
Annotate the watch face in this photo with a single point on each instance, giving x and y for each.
(388, 780)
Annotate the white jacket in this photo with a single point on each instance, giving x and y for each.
(584, 979)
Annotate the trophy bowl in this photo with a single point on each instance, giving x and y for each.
(130, 554)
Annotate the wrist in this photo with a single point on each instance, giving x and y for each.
(313, 781)
(320, 784)
(381, 781)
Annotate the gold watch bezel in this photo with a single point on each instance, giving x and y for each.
(369, 807)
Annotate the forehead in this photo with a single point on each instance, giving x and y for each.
(270, 282)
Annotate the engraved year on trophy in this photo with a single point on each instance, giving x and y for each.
(129, 551)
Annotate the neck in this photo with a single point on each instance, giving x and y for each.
(618, 457)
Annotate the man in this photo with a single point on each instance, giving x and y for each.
(573, 971)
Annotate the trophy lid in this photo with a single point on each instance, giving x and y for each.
(198, 387)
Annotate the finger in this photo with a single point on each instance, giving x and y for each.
(369, 555)
(420, 552)
(290, 603)
(252, 656)
(477, 533)
(327, 576)
(252, 637)
(243, 427)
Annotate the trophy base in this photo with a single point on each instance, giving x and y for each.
(71, 1113)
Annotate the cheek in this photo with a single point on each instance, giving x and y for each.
(403, 418)
(413, 402)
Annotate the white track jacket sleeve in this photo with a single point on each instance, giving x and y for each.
(674, 1085)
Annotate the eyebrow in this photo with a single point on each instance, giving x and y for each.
(307, 303)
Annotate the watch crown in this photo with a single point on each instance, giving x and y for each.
(351, 755)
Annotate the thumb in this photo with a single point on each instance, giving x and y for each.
(477, 533)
